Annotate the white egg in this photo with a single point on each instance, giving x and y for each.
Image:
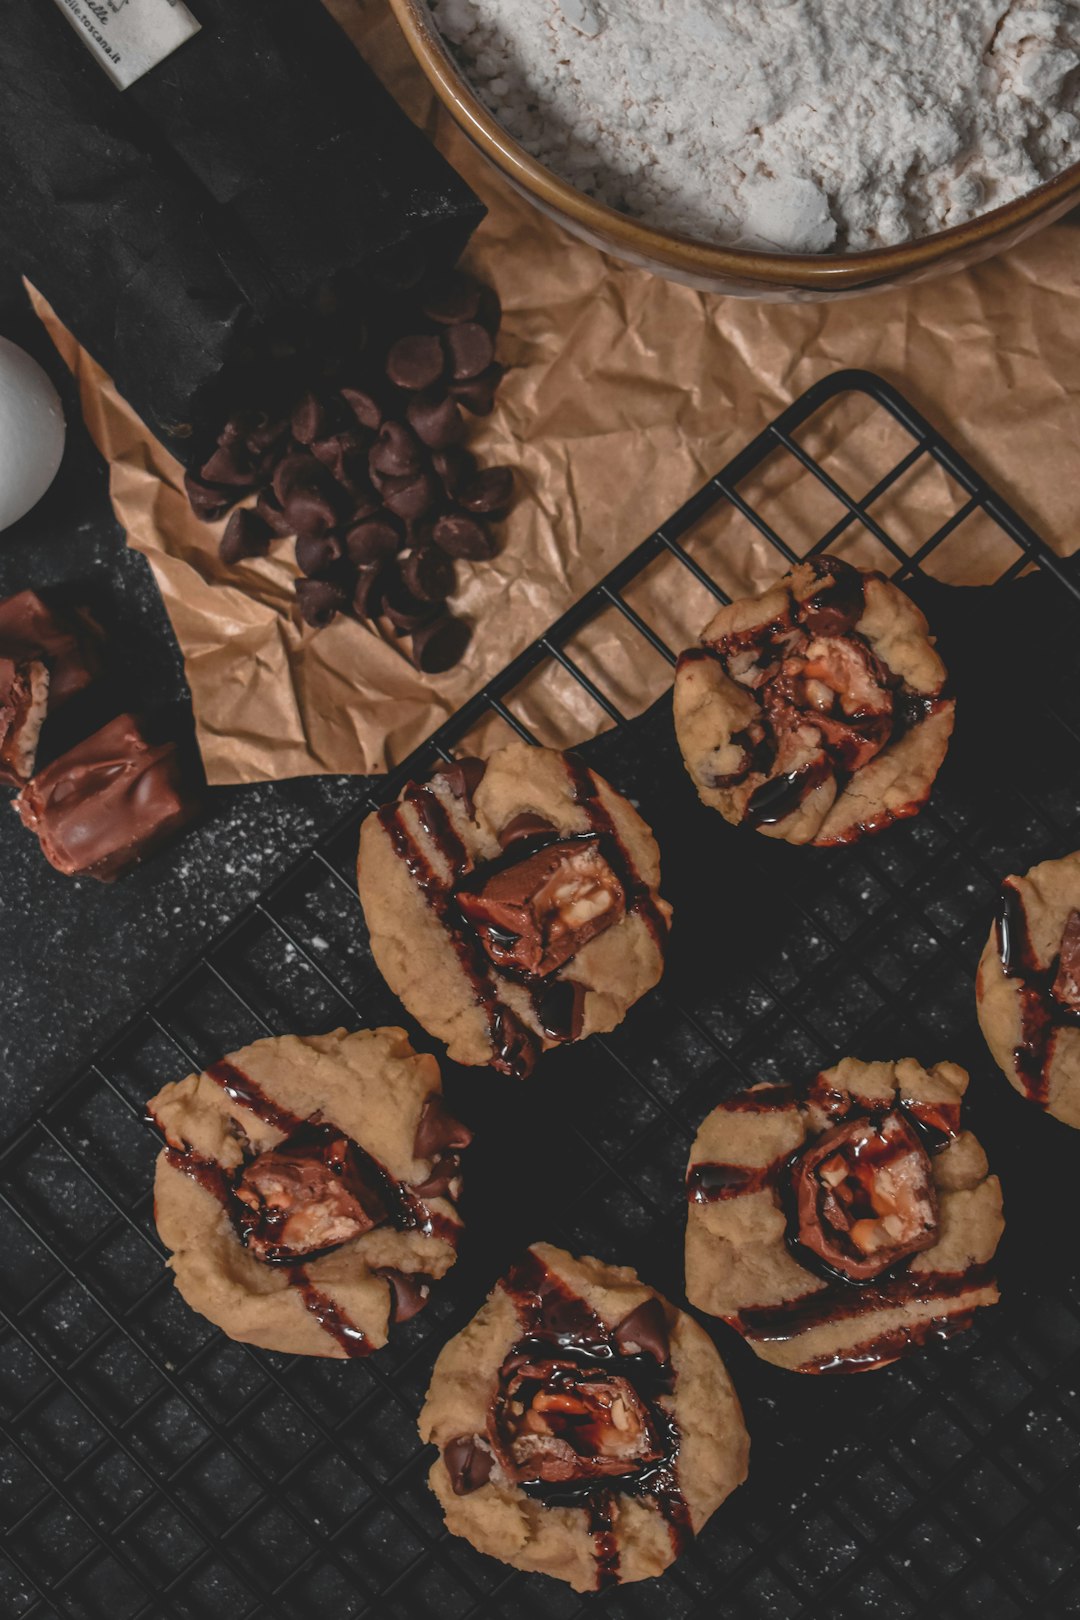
(31, 433)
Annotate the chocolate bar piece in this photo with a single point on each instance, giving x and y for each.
(32, 628)
(107, 803)
(537, 913)
(24, 695)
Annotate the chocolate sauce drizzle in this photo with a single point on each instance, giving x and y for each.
(558, 1004)
(715, 1183)
(406, 1211)
(557, 1323)
(1042, 1015)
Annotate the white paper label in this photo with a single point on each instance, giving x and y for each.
(129, 37)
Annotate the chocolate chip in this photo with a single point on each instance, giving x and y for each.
(266, 434)
(470, 349)
(490, 491)
(525, 825)
(645, 1330)
(428, 573)
(443, 1172)
(320, 601)
(229, 464)
(404, 610)
(365, 407)
(337, 452)
(454, 298)
(415, 362)
(367, 593)
(316, 553)
(409, 498)
(438, 422)
(311, 511)
(268, 509)
(463, 778)
(246, 535)
(372, 542)
(437, 1130)
(453, 467)
(477, 394)
(560, 1009)
(410, 1292)
(395, 454)
(468, 1464)
(366, 501)
(437, 646)
(309, 419)
(205, 501)
(462, 536)
(292, 472)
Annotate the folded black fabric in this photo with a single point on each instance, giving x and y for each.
(165, 222)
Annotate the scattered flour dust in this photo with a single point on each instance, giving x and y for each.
(805, 125)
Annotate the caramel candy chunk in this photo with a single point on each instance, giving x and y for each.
(67, 644)
(537, 913)
(107, 803)
(557, 1421)
(310, 1193)
(864, 1196)
(24, 696)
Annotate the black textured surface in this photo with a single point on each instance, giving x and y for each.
(156, 1469)
(79, 957)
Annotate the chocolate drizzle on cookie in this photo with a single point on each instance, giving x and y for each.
(582, 1414)
(860, 1204)
(827, 705)
(522, 917)
(318, 1189)
(1049, 998)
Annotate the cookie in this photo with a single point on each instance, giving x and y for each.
(843, 1230)
(817, 711)
(512, 904)
(1028, 986)
(586, 1428)
(308, 1189)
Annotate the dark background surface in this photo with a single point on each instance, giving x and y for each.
(78, 957)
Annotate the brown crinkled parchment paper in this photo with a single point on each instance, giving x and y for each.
(624, 393)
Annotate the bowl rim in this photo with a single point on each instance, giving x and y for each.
(689, 254)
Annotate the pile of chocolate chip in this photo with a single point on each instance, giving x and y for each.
(366, 467)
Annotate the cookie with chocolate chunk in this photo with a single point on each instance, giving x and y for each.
(843, 1229)
(586, 1429)
(1028, 986)
(513, 905)
(308, 1189)
(816, 712)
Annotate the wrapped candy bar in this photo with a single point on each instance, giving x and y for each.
(168, 222)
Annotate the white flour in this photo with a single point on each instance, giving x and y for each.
(807, 125)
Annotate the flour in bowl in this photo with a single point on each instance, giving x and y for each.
(806, 125)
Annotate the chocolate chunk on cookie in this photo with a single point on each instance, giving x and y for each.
(816, 712)
(308, 1189)
(586, 1428)
(519, 914)
(843, 1229)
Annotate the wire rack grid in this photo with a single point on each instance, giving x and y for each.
(153, 1468)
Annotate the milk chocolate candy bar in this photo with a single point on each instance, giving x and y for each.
(237, 177)
(33, 628)
(107, 803)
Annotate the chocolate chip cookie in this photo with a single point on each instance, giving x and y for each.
(840, 1231)
(586, 1428)
(308, 1189)
(816, 712)
(512, 904)
(1028, 986)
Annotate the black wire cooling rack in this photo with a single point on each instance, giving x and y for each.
(153, 1468)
